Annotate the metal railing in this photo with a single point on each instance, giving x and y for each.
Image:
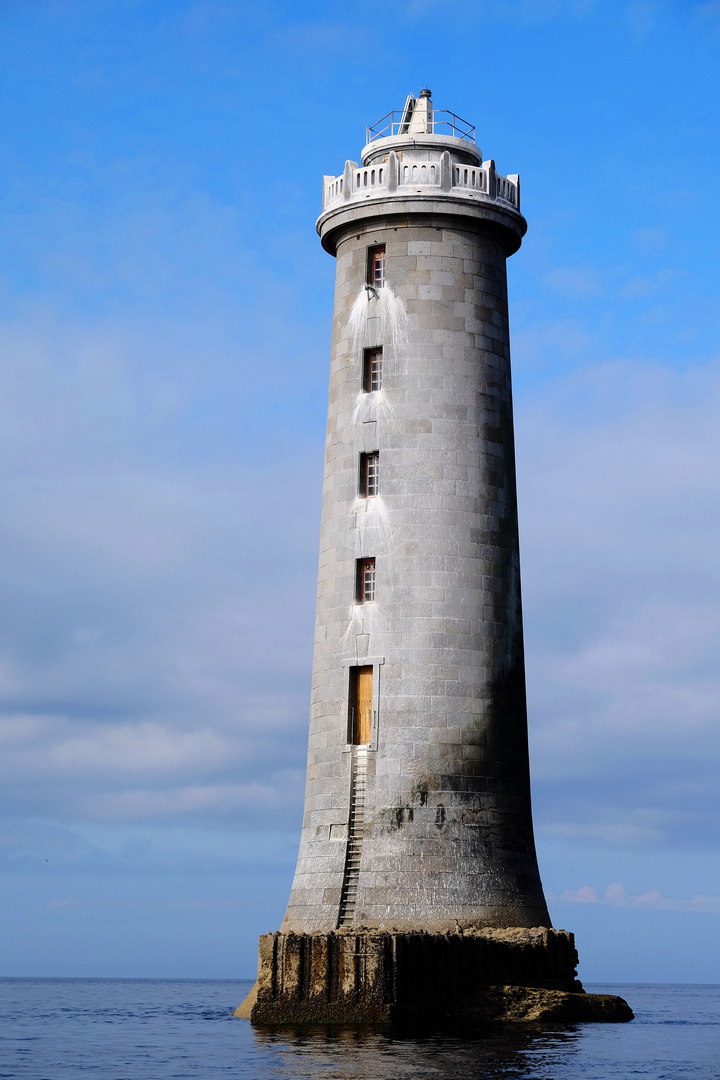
(441, 122)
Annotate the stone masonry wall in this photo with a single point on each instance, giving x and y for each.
(448, 832)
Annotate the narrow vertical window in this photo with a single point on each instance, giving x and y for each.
(376, 266)
(369, 475)
(372, 370)
(365, 581)
(360, 705)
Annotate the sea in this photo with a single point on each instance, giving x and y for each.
(167, 1029)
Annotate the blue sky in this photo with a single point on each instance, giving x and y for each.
(165, 317)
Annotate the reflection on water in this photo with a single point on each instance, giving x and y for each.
(365, 1054)
(675, 1034)
(157, 1029)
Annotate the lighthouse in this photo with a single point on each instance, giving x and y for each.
(417, 873)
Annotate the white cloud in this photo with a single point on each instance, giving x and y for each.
(522, 12)
(617, 896)
(579, 282)
(619, 467)
(651, 285)
(620, 826)
(117, 902)
(552, 345)
(277, 792)
(644, 16)
(156, 582)
(651, 240)
(706, 14)
(51, 746)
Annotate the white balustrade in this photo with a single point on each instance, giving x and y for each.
(371, 180)
(468, 177)
(333, 190)
(419, 173)
(373, 176)
(506, 190)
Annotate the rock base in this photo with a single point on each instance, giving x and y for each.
(491, 1005)
(470, 977)
(526, 1004)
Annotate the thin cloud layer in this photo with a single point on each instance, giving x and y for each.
(157, 615)
(156, 663)
(620, 515)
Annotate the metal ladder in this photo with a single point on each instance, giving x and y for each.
(356, 827)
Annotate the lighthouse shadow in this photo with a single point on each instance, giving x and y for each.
(500, 1052)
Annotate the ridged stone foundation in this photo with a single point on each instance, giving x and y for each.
(366, 976)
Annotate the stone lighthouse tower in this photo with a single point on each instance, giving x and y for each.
(417, 857)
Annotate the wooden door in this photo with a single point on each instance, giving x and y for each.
(363, 705)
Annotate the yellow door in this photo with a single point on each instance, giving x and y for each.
(363, 708)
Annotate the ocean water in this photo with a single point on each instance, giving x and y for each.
(167, 1029)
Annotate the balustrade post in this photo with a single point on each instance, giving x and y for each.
(326, 180)
(446, 168)
(489, 170)
(392, 171)
(348, 175)
(515, 179)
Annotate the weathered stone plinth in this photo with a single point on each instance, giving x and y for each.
(377, 977)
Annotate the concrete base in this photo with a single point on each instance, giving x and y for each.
(245, 1008)
(471, 977)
